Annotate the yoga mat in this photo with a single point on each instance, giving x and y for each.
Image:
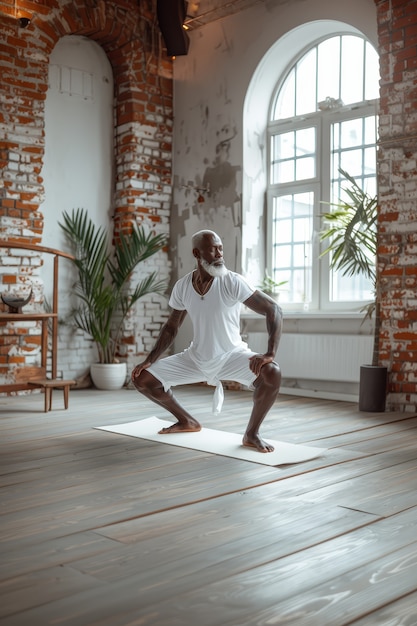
(216, 442)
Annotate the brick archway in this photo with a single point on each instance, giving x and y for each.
(143, 104)
(129, 35)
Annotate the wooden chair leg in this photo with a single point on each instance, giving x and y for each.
(66, 394)
(48, 399)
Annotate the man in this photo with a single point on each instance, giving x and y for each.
(212, 296)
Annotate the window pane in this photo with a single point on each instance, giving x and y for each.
(306, 92)
(361, 164)
(289, 160)
(370, 185)
(285, 255)
(299, 255)
(283, 230)
(292, 249)
(370, 130)
(352, 69)
(351, 133)
(300, 293)
(285, 146)
(351, 162)
(345, 135)
(350, 288)
(285, 104)
(283, 172)
(371, 73)
(336, 131)
(306, 141)
(305, 168)
(369, 161)
(328, 69)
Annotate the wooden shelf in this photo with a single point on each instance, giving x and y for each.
(22, 317)
(49, 331)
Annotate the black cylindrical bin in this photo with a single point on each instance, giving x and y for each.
(373, 388)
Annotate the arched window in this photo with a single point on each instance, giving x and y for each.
(322, 119)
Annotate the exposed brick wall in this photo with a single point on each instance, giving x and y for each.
(128, 33)
(397, 173)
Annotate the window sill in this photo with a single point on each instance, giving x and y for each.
(302, 315)
(328, 322)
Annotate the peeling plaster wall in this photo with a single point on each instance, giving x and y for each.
(219, 129)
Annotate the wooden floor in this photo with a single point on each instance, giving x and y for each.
(102, 529)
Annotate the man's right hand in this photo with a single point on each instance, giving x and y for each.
(136, 372)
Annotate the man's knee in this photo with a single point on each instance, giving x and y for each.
(271, 375)
(145, 381)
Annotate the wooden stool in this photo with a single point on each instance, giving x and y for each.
(48, 384)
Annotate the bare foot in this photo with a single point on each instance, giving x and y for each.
(258, 443)
(187, 427)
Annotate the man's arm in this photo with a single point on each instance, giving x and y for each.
(166, 336)
(260, 303)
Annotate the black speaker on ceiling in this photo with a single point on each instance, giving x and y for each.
(171, 16)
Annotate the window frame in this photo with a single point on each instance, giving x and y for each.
(319, 184)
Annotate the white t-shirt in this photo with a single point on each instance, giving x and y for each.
(216, 318)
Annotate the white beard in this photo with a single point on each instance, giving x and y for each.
(212, 269)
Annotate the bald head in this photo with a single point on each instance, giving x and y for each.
(208, 250)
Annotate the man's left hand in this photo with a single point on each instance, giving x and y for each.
(257, 361)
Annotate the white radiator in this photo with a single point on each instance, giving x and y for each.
(318, 357)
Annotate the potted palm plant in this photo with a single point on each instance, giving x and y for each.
(102, 287)
(351, 232)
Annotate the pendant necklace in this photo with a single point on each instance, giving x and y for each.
(202, 294)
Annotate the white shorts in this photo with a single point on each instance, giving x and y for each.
(180, 369)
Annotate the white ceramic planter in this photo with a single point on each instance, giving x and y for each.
(108, 375)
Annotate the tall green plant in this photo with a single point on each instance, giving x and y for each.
(103, 276)
(351, 232)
